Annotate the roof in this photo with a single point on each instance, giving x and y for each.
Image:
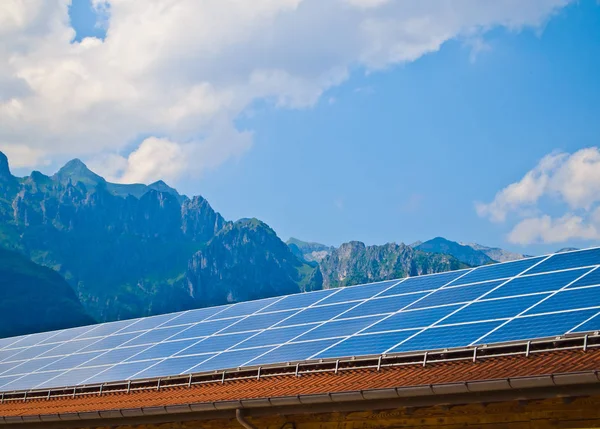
(509, 370)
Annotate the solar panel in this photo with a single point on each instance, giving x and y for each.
(513, 301)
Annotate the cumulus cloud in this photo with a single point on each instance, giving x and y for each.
(570, 180)
(545, 229)
(180, 72)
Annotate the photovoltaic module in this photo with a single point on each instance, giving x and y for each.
(531, 298)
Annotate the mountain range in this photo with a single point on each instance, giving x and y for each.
(131, 250)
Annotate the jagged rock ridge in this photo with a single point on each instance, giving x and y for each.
(355, 263)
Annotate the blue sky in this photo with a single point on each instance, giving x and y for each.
(405, 151)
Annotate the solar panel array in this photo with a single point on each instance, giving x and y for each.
(531, 298)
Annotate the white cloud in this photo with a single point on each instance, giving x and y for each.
(154, 159)
(571, 181)
(545, 229)
(182, 71)
(524, 193)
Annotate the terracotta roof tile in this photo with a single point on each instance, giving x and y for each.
(565, 361)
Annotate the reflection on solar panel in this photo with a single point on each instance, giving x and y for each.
(531, 298)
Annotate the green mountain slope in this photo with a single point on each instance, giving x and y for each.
(35, 298)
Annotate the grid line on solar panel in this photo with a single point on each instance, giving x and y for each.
(106, 329)
(73, 339)
(499, 271)
(325, 322)
(388, 316)
(236, 346)
(569, 299)
(532, 306)
(572, 259)
(538, 326)
(592, 323)
(191, 316)
(213, 335)
(144, 349)
(333, 319)
(424, 283)
(139, 334)
(232, 347)
(491, 291)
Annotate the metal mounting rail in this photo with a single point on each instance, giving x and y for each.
(583, 342)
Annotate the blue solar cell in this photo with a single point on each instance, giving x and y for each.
(385, 305)
(173, 366)
(292, 352)
(568, 260)
(592, 324)
(68, 347)
(30, 366)
(7, 342)
(194, 316)
(339, 328)
(30, 381)
(258, 322)
(73, 377)
(413, 319)
(569, 299)
(424, 283)
(164, 350)
(446, 337)
(497, 271)
(110, 342)
(6, 355)
(104, 329)
(275, 336)
(120, 372)
(537, 283)
(373, 344)
(147, 323)
(71, 361)
(300, 300)
(204, 329)
(29, 353)
(455, 295)
(215, 344)
(591, 279)
(155, 336)
(6, 380)
(503, 308)
(4, 367)
(317, 314)
(354, 293)
(68, 334)
(230, 359)
(34, 339)
(245, 308)
(549, 325)
(115, 356)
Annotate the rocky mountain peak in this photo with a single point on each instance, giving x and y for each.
(463, 253)
(4, 167)
(76, 171)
